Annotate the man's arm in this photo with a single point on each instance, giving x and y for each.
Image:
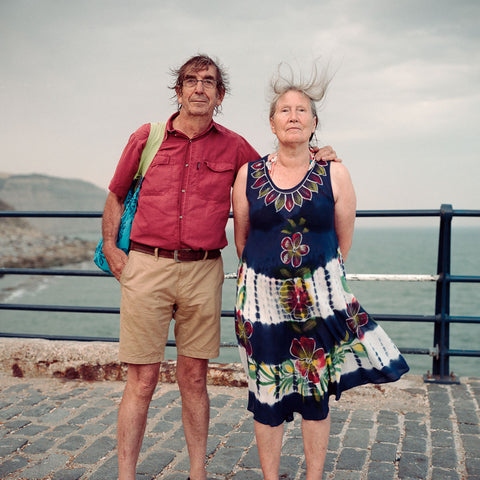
(112, 215)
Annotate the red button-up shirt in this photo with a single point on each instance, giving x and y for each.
(184, 201)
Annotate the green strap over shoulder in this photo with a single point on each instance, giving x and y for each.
(155, 138)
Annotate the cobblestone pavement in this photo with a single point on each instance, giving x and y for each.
(65, 430)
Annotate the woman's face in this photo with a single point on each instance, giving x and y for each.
(293, 120)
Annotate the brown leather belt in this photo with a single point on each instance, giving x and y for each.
(183, 255)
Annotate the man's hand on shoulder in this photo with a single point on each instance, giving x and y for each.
(326, 154)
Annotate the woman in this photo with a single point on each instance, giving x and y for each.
(302, 334)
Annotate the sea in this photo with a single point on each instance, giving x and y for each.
(408, 248)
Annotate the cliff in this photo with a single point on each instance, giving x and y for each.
(43, 243)
(44, 193)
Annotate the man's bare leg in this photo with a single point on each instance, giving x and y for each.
(132, 416)
(192, 381)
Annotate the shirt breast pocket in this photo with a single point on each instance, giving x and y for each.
(160, 160)
(157, 177)
(215, 180)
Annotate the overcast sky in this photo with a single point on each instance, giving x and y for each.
(403, 109)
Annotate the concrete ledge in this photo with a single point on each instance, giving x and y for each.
(91, 361)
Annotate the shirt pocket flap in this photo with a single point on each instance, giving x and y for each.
(161, 160)
(219, 167)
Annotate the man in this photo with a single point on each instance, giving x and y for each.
(174, 267)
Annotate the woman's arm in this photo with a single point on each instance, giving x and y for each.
(240, 209)
(345, 206)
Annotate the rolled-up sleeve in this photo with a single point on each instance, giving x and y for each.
(129, 161)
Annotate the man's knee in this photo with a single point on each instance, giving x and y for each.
(143, 379)
(192, 374)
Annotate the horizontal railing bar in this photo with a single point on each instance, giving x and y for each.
(454, 319)
(462, 278)
(359, 213)
(52, 214)
(232, 275)
(392, 277)
(414, 213)
(76, 309)
(423, 318)
(397, 213)
(463, 353)
(418, 351)
(466, 213)
(59, 308)
(53, 272)
(58, 337)
(403, 318)
(227, 313)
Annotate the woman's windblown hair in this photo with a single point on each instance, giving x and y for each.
(315, 87)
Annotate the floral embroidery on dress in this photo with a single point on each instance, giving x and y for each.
(293, 250)
(310, 361)
(243, 330)
(356, 319)
(316, 367)
(295, 298)
(282, 199)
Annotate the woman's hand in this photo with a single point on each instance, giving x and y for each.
(240, 210)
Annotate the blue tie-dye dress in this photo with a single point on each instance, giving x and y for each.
(302, 334)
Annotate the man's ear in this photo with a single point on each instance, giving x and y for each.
(220, 98)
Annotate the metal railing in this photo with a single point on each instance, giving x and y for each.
(441, 351)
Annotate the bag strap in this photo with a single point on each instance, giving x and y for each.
(155, 138)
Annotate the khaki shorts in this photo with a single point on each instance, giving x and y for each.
(155, 290)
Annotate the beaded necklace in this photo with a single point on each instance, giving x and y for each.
(272, 161)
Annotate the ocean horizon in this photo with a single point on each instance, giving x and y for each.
(375, 250)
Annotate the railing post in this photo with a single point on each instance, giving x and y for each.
(441, 334)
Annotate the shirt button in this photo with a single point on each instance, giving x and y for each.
(181, 216)
(186, 164)
(183, 191)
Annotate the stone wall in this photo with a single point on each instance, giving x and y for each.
(90, 361)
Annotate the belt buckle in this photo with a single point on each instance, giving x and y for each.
(175, 256)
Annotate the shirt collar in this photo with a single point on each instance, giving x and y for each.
(171, 129)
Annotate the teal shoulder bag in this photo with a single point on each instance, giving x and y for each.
(155, 138)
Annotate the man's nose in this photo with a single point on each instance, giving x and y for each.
(199, 87)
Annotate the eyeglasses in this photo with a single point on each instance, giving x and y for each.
(208, 83)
